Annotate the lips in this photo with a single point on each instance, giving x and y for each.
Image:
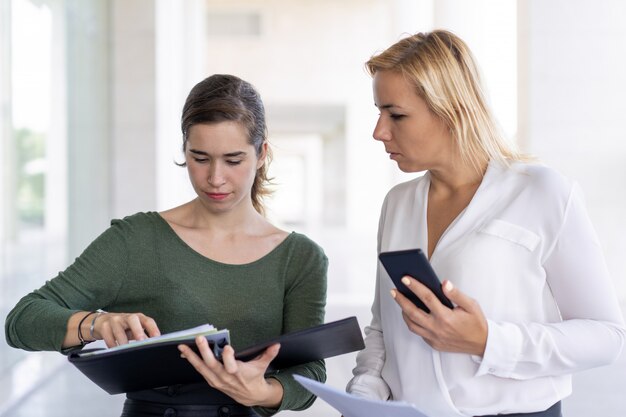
(216, 196)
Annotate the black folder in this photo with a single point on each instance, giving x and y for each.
(158, 365)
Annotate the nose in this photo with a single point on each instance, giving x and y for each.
(381, 131)
(216, 175)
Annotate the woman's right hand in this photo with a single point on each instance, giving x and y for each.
(118, 328)
(463, 329)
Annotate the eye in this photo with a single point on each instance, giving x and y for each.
(200, 160)
(395, 116)
(233, 162)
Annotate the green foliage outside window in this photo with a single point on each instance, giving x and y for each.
(30, 152)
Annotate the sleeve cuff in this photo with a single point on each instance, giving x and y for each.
(504, 345)
(369, 386)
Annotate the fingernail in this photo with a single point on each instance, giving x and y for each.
(448, 286)
(406, 281)
(393, 293)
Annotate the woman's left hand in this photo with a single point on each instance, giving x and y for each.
(462, 329)
(244, 382)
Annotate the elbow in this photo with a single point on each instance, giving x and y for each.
(608, 346)
(9, 332)
(620, 339)
(12, 331)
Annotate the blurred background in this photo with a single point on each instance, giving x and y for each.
(91, 93)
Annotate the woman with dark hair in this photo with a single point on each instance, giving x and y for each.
(533, 300)
(215, 259)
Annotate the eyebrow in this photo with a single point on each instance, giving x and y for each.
(387, 106)
(227, 155)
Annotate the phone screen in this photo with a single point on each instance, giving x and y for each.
(413, 262)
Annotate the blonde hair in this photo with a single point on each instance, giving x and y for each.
(445, 75)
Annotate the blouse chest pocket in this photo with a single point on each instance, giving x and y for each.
(512, 233)
(500, 259)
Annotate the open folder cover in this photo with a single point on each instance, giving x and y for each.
(157, 364)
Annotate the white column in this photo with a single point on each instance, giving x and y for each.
(56, 200)
(8, 215)
(174, 58)
(133, 106)
(88, 122)
(111, 114)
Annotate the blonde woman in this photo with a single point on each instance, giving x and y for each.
(510, 239)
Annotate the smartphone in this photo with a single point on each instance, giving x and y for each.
(413, 262)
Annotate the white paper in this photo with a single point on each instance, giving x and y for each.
(202, 330)
(352, 406)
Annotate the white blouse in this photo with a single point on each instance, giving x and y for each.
(525, 249)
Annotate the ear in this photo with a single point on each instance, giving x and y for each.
(261, 158)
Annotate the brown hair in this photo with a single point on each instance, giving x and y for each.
(444, 74)
(223, 97)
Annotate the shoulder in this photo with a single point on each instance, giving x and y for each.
(137, 224)
(540, 181)
(303, 245)
(303, 259)
(302, 253)
(139, 219)
(533, 196)
(121, 234)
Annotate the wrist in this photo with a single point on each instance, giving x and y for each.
(82, 323)
(274, 394)
(483, 340)
(92, 326)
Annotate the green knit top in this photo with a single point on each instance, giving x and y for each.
(141, 265)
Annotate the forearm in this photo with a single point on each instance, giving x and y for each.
(526, 351)
(36, 324)
(367, 380)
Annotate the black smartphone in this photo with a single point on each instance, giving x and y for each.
(413, 262)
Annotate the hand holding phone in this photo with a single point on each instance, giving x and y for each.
(413, 262)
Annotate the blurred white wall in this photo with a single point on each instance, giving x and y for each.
(572, 65)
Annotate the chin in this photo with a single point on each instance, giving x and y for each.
(410, 169)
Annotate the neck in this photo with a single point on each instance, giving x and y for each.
(242, 219)
(456, 177)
